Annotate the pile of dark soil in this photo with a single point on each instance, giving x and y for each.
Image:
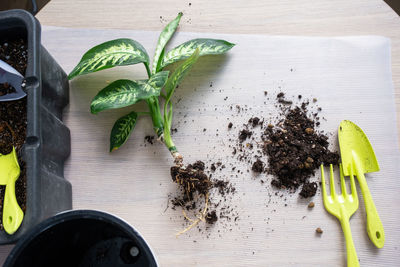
(295, 150)
(13, 118)
(291, 149)
(197, 189)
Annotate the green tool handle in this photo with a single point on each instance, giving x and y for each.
(374, 225)
(352, 259)
(12, 213)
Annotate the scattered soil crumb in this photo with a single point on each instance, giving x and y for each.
(309, 190)
(211, 217)
(213, 168)
(311, 205)
(149, 139)
(244, 134)
(319, 230)
(258, 166)
(282, 100)
(254, 121)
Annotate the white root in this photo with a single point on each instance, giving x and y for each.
(200, 218)
(178, 158)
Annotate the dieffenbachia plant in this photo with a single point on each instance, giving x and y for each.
(160, 83)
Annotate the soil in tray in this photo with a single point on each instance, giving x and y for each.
(13, 118)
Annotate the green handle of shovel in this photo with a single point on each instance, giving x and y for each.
(374, 224)
(12, 213)
(9, 173)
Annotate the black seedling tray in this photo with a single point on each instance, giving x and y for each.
(48, 141)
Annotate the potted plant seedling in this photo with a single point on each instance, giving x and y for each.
(157, 91)
(31, 128)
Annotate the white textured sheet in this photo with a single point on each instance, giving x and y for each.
(350, 77)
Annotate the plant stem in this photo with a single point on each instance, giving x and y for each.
(154, 108)
(148, 70)
(162, 126)
(143, 113)
(168, 141)
(156, 117)
(178, 158)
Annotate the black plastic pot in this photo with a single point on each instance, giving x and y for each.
(47, 143)
(81, 238)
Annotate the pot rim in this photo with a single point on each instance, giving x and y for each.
(71, 215)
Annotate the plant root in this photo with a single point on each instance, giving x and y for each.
(200, 217)
(161, 139)
(178, 158)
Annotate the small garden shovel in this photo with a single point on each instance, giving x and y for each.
(9, 173)
(358, 157)
(11, 76)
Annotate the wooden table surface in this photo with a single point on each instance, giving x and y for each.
(284, 17)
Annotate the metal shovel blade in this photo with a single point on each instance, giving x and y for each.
(353, 141)
(11, 76)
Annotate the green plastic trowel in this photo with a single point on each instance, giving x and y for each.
(9, 173)
(358, 157)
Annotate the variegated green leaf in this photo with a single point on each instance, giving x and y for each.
(165, 36)
(159, 79)
(180, 72)
(122, 93)
(122, 129)
(205, 46)
(119, 52)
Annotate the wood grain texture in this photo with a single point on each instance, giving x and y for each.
(284, 239)
(267, 233)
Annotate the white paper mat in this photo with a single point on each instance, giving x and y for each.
(350, 77)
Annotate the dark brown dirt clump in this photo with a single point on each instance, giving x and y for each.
(211, 217)
(244, 134)
(191, 179)
(309, 189)
(282, 100)
(254, 121)
(295, 150)
(13, 117)
(149, 139)
(258, 166)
